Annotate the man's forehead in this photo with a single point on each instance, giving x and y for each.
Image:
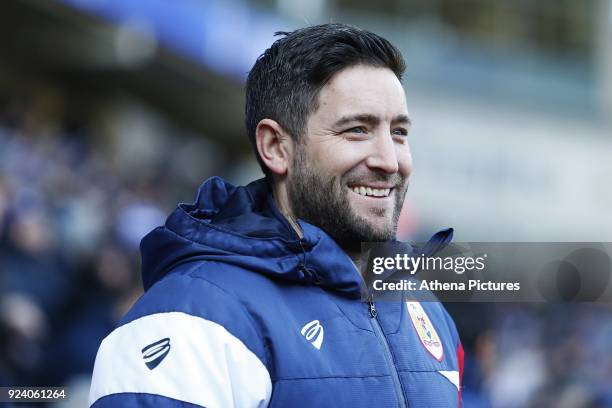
(363, 90)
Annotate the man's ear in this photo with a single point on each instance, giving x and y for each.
(274, 145)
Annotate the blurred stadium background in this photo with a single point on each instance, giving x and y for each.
(112, 111)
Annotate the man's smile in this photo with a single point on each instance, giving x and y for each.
(371, 192)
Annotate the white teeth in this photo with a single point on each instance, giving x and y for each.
(374, 192)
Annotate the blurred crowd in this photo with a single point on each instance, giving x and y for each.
(536, 355)
(70, 226)
(71, 218)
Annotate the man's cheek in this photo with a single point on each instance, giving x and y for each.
(404, 158)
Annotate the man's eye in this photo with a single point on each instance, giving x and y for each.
(357, 129)
(400, 132)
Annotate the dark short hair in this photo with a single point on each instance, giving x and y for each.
(285, 81)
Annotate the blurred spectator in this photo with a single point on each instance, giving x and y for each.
(70, 226)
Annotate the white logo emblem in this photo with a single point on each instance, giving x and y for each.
(426, 331)
(313, 331)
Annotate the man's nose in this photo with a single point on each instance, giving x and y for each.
(383, 155)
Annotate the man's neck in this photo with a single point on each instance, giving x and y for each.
(282, 203)
(281, 198)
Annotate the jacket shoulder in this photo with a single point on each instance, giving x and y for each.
(187, 290)
(185, 341)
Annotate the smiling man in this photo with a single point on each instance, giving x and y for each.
(252, 297)
(350, 172)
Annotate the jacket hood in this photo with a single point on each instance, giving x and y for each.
(241, 226)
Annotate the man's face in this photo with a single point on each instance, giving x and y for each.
(350, 174)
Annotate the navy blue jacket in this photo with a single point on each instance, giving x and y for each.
(238, 311)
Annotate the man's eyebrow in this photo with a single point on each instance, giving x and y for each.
(370, 119)
(402, 119)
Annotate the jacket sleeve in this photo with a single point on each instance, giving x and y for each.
(458, 349)
(186, 343)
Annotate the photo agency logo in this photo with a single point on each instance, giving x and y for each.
(489, 272)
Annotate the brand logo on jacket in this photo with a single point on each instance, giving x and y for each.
(425, 330)
(313, 332)
(154, 353)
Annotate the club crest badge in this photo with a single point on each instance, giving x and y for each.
(425, 330)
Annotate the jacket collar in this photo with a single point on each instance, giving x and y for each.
(242, 226)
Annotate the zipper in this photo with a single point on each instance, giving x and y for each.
(383, 340)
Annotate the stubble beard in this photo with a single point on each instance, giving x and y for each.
(322, 200)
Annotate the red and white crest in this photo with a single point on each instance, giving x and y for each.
(425, 330)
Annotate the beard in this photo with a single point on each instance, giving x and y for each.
(322, 200)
